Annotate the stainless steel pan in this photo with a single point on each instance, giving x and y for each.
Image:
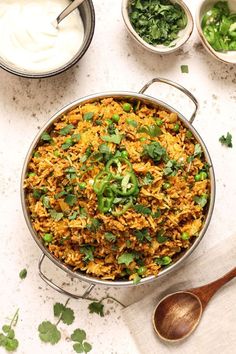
(92, 281)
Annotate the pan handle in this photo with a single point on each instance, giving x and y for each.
(60, 290)
(179, 87)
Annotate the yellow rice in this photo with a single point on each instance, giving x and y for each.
(180, 213)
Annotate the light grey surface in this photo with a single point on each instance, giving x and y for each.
(113, 62)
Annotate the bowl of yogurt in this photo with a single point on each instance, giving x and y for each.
(32, 46)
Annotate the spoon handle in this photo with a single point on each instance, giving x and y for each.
(71, 7)
(206, 292)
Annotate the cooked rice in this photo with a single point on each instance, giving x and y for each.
(176, 209)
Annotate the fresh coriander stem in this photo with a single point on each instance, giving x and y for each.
(112, 298)
(66, 303)
(14, 319)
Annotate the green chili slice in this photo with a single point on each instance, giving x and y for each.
(118, 167)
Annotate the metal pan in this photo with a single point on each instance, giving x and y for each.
(92, 281)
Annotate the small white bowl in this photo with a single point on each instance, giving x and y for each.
(184, 34)
(203, 7)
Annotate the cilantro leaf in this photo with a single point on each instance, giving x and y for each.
(88, 116)
(96, 307)
(94, 225)
(46, 137)
(155, 151)
(78, 348)
(23, 273)
(114, 138)
(66, 129)
(68, 316)
(71, 199)
(136, 279)
(110, 237)
(87, 347)
(153, 130)
(88, 252)
(184, 69)
(143, 235)
(171, 168)
(79, 335)
(58, 308)
(55, 215)
(142, 209)
(49, 333)
(148, 179)
(201, 200)
(226, 140)
(126, 258)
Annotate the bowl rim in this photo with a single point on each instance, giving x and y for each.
(66, 66)
(205, 44)
(152, 48)
(79, 274)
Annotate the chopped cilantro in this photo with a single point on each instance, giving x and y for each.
(88, 252)
(201, 200)
(96, 307)
(46, 137)
(142, 209)
(66, 314)
(226, 140)
(66, 130)
(110, 237)
(143, 235)
(88, 116)
(148, 179)
(49, 333)
(184, 69)
(94, 225)
(55, 215)
(155, 151)
(114, 138)
(152, 130)
(71, 199)
(126, 258)
(23, 273)
(171, 168)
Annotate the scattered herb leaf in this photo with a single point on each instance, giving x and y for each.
(184, 69)
(96, 307)
(49, 333)
(226, 140)
(23, 273)
(126, 258)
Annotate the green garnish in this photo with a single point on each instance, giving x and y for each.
(23, 273)
(55, 215)
(142, 209)
(46, 137)
(66, 130)
(67, 144)
(219, 27)
(46, 201)
(49, 333)
(157, 21)
(66, 314)
(226, 140)
(73, 216)
(143, 235)
(166, 185)
(126, 258)
(79, 336)
(201, 200)
(71, 199)
(171, 168)
(110, 237)
(184, 69)
(136, 278)
(96, 307)
(152, 130)
(88, 253)
(113, 138)
(142, 270)
(155, 151)
(7, 336)
(132, 122)
(148, 179)
(88, 116)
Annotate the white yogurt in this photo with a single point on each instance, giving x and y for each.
(28, 39)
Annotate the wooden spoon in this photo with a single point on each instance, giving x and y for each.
(177, 315)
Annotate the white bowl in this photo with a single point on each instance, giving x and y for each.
(203, 7)
(184, 34)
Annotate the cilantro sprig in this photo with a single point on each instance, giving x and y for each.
(226, 140)
(49, 332)
(7, 336)
(79, 337)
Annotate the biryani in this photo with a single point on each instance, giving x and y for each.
(117, 189)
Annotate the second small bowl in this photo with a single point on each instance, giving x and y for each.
(203, 7)
(184, 34)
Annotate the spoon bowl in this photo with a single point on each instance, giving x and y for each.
(177, 315)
